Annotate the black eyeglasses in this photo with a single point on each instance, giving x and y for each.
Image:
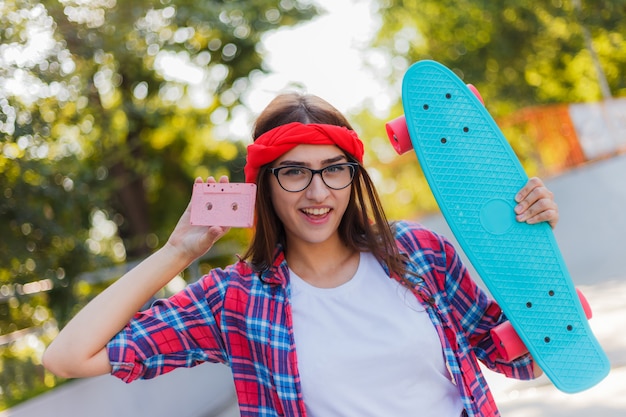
(294, 178)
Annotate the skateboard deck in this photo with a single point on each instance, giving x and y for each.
(474, 175)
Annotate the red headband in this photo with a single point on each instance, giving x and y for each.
(276, 142)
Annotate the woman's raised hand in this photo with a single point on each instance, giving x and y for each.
(535, 204)
(194, 241)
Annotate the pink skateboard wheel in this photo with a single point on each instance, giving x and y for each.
(398, 135)
(585, 304)
(507, 342)
(476, 93)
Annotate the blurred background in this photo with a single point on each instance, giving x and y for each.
(109, 109)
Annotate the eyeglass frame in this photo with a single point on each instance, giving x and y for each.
(353, 166)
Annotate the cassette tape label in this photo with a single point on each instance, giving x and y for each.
(223, 204)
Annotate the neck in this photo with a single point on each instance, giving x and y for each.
(326, 265)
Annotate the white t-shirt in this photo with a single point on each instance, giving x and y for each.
(368, 348)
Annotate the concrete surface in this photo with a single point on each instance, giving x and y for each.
(204, 391)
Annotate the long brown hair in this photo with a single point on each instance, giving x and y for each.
(364, 226)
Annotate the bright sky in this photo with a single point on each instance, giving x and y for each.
(327, 57)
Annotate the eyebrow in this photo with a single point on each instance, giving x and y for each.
(328, 161)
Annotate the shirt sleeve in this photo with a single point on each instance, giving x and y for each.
(477, 314)
(181, 331)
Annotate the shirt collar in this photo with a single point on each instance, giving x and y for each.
(279, 271)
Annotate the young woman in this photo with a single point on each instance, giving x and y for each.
(332, 311)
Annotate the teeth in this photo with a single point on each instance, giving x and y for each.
(316, 211)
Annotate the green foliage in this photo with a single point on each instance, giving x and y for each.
(108, 111)
(517, 53)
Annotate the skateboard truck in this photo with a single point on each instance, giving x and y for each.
(509, 344)
(398, 132)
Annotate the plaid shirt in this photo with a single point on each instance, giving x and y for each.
(243, 319)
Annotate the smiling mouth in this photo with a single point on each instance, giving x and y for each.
(316, 211)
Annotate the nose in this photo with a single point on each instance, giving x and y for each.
(317, 190)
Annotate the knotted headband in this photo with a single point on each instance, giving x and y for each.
(276, 142)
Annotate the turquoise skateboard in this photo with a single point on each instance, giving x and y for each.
(474, 175)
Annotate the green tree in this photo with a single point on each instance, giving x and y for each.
(517, 53)
(108, 110)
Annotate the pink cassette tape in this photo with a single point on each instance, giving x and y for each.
(223, 204)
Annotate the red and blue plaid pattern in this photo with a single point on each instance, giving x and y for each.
(243, 319)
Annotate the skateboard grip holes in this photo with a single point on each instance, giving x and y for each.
(426, 106)
(546, 339)
(448, 96)
(529, 304)
(551, 293)
(570, 327)
(444, 140)
(466, 129)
